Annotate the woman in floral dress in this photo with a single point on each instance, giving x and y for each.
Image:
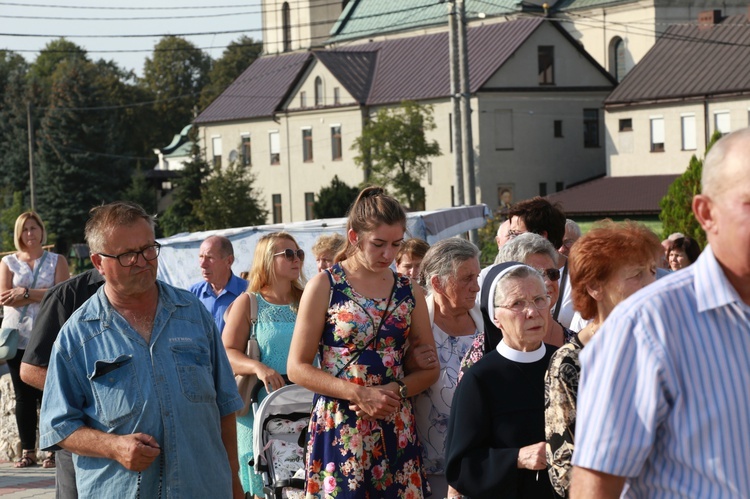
(359, 314)
(276, 282)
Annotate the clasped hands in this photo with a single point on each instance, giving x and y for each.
(10, 296)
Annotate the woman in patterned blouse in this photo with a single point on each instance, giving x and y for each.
(608, 264)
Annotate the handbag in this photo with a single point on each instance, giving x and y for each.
(246, 382)
(9, 335)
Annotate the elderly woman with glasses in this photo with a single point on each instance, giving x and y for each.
(495, 444)
(449, 271)
(535, 251)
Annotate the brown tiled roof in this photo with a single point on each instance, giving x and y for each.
(690, 61)
(614, 196)
(416, 68)
(258, 91)
(352, 69)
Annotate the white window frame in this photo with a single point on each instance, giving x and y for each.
(657, 131)
(688, 131)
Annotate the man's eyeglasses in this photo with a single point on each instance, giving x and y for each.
(130, 258)
(289, 254)
(520, 306)
(551, 274)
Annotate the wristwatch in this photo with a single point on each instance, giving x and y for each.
(402, 390)
(26, 293)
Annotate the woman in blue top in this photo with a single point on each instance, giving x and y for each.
(276, 282)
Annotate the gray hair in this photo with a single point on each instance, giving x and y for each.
(104, 219)
(573, 227)
(518, 272)
(443, 259)
(521, 247)
(225, 245)
(717, 159)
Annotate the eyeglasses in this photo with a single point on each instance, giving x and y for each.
(519, 306)
(289, 254)
(515, 233)
(130, 258)
(568, 243)
(551, 274)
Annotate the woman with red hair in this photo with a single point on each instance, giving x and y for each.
(607, 265)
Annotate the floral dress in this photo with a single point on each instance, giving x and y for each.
(274, 331)
(351, 457)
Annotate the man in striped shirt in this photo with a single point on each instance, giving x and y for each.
(664, 405)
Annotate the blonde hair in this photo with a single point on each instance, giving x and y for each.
(262, 271)
(328, 243)
(22, 218)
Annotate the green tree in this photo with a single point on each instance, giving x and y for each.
(236, 58)
(80, 153)
(180, 216)
(394, 149)
(228, 199)
(175, 76)
(14, 144)
(677, 206)
(334, 200)
(8, 218)
(141, 191)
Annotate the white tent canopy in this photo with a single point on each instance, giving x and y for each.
(178, 260)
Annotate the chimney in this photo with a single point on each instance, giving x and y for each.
(708, 18)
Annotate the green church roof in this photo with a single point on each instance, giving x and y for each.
(363, 18)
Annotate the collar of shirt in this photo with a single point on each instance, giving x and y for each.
(712, 288)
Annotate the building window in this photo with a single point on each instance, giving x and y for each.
(276, 202)
(286, 27)
(546, 58)
(336, 96)
(309, 206)
(307, 146)
(689, 136)
(335, 142)
(450, 131)
(559, 186)
(216, 147)
(542, 188)
(275, 147)
(590, 128)
(722, 122)
(503, 129)
(657, 134)
(318, 91)
(626, 125)
(303, 99)
(617, 58)
(247, 159)
(558, 128)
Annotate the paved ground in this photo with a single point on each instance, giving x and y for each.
(36, 482)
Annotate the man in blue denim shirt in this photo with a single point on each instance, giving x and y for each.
(139, 387)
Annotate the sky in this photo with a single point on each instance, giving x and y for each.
(105, 22)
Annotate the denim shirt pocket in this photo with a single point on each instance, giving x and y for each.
(194, 370)
(116, 389)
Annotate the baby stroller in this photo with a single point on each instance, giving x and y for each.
(279, 439)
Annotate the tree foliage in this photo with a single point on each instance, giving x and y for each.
(12, 207)
(395, 151)
(175, 76)
(677, 206)
(180, 216)
(235, 59)
(140, 191)
(334, 200)
(228, 200)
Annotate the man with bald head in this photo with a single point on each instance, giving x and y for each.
(664, 405)
(219, 287)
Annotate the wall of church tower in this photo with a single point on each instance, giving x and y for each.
(290, 25)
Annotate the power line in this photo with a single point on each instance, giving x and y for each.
(149, 18)
(88, 7)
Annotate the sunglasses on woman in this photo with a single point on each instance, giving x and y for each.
(551, 274)
(289, 254)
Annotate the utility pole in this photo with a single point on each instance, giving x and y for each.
(459, 199)
(30, 125)
(468, 142)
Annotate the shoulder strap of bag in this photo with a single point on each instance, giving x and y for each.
(374, 337)
(253, 312)
(563, 283)
(33, 283)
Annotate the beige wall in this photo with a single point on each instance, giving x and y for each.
(629, 152)
(637, 23)
(311, 22)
